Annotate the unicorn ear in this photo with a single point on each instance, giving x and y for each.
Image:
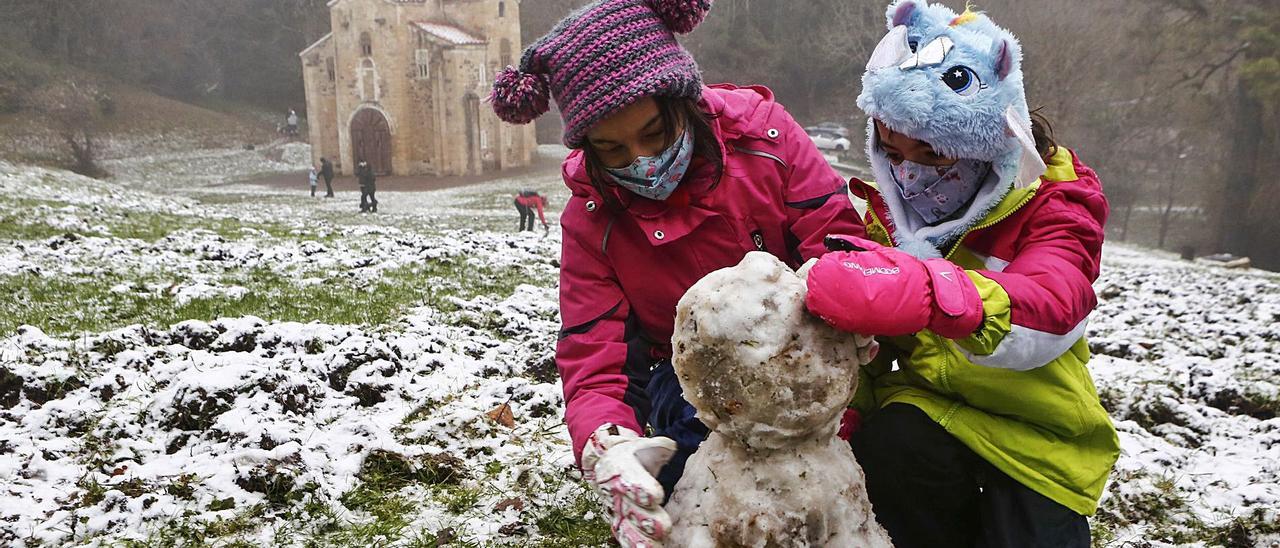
(1003, 59)
(891, 51)
(1030, 164)
(904, 12)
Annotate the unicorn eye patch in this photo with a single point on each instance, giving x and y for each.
(930, 55)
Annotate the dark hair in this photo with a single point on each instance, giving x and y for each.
(1042, 132)
(673, 111)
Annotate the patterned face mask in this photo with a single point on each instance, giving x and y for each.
(656, 177)
(937, 192)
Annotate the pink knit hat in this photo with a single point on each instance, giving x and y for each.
(601, 58)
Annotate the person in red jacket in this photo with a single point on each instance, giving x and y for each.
(670, 180)
(526, 201)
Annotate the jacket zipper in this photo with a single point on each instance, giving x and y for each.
(876, 219)
(943, 342)
(987, 224)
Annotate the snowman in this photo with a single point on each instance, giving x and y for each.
(771, 382)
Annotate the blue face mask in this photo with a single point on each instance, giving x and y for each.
(656, 177)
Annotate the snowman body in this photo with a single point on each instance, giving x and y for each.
(771, 382)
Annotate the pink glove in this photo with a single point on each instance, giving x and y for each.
(622, 466)
(878, 290)
(867, 345)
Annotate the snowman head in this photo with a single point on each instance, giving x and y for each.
(757, 366)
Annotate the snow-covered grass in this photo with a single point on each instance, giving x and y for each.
(232, 365)
(1187, 360)
(187, 361)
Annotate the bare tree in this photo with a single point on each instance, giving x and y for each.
(74, 109)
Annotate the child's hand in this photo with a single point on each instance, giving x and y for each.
(883, 291)
(623, 467)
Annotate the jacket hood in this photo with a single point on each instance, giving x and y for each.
(909, 231)
(1065, 175)
(953, 81)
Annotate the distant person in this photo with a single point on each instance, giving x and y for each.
(526, 201)
(368, 185)
(312, 176)
(326, 171)
(291, 124)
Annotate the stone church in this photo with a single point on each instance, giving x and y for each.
(402, 83)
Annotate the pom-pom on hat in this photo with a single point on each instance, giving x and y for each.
(600, 59)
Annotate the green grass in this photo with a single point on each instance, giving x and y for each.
(70, 304)
(1168, 516)
(18, 223)
(150, 227)
(184, 531)
(566, 526)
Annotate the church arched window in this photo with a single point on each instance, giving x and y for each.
(502, 9)
(366, 44)
(505, 52)
(368, 81)
(422, 60)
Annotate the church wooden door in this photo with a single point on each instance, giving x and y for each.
(371, 140)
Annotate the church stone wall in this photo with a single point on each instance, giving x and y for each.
(428, 117)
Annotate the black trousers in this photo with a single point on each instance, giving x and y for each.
(328, 187)
(929, 490)
(367, 201)
(672, 416)
(526, 216)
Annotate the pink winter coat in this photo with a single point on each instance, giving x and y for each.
(623, 273)
(535, 201)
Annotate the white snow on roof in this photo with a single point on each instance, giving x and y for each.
(322, 40)
(448, 34)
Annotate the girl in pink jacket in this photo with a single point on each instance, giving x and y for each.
(670, 181)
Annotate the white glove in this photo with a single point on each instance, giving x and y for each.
(868, 348)
(867, 345)
(623, 467)
(803, 271)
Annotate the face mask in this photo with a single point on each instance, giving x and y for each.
(656, 177)
(937, 192)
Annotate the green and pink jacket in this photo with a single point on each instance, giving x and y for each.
(1018, 390)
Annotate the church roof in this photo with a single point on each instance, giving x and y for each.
(322, 40)
(451, 35)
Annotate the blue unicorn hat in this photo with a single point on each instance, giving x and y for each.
(953, 81)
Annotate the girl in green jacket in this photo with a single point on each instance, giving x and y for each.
(983, 426)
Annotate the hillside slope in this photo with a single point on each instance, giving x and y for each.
(139, 122)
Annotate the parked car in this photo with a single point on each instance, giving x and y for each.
(828, 140)
(834, 128)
